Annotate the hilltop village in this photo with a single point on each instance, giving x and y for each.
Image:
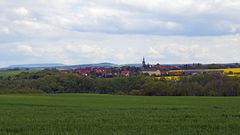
(152, 70)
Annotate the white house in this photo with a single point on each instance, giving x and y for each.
(152, 72)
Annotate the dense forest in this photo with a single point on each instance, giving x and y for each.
(53, 81)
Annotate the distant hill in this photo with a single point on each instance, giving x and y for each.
(51, 65)
(104, 65)
(66, 67)
(132, 65)
(63, 67)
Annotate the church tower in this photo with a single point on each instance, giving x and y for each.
(143, 63)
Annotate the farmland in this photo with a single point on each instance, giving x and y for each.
(233, 70)
(69, 114)
(15, 72)
(10, 72)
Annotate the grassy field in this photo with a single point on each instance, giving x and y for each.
(15, 72)
(72, 114)
(10, 72)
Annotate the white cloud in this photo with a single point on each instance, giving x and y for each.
(4, 30)
(110, 48)
(32, 28)
(21, 11)
(3, 64)
(23, 48)
(234, 27)
(153, 51)
(175, 17)
(90, 51)
(27, 24)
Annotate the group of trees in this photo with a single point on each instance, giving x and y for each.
(53, 81)
(210, 66)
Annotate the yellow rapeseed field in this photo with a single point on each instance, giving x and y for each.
(172, 77)
(234, 70)
(176, 71)
(233, 75)
(226, 70)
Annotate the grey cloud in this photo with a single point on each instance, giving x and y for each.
(119, 31)
(159, 17)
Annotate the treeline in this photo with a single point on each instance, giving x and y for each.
(20, 91)
(210, 66)
(53, 81)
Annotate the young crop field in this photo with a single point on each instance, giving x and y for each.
(84, 114)
(14, 72)
(10, 72)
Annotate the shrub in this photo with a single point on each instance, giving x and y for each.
(120, 93)
(20, 91)
(135, 92)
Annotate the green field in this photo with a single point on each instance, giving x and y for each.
(82, 114)
(10, 72)
(15, 72)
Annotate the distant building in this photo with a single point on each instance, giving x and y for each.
(125, 73)
(152, 72)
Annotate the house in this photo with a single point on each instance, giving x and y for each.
(125, 73)
(152, 72)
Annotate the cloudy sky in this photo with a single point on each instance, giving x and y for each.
(119, 31)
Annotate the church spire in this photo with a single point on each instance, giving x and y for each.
(143, 63)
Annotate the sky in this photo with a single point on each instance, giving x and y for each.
(119, 31)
